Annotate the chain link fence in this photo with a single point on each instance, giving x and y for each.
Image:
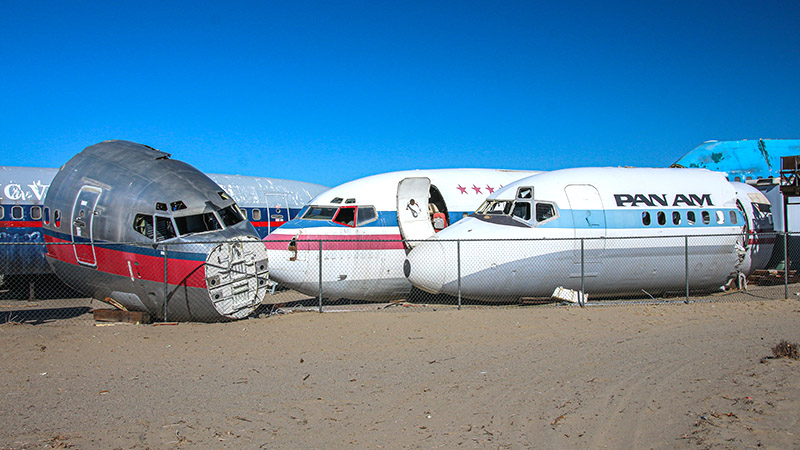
(369, 274)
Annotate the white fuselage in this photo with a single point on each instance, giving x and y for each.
(363, 229)
(607, 230)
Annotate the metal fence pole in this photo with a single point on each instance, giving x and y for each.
(686, 263)
(320, 275)
(785, 262)
(581, 300)
(166, 289)
(458, 257)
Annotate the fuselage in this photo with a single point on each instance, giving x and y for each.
(127, 224)
(267, 202)
(616, 230)
(363, 229)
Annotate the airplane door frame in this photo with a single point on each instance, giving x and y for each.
(86, 195)
(586, 223)
(413, 219)
(285, 206)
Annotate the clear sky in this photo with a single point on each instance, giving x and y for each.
(331, 91)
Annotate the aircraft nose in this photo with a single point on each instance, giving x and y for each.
(425, 265)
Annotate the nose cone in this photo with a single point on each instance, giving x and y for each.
(426, 264)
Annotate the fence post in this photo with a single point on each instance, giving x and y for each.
(686, 263)
(166, 289)
(785, 260)
(581, 300)
(458, 257)
(320, 275)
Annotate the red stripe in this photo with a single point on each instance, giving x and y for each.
(150, 268)
(268, 224)
(336, 242)
(20, 223)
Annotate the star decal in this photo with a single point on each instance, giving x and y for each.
(476, 189)
(461, 188)
(490, 189)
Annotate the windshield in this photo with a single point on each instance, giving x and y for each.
(496, 207)
(316, 212)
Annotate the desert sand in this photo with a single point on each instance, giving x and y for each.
(626, 376)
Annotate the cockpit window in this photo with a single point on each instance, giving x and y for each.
(545, 211)
(350, 201)
(197, 223)
(143, 224)
(346, 216)
(315, 212)
(525, 192)
(366, 214)
(496, 207)
(522, 210)
(223, 195)
(337, 200)
(177, 206)
(231, 215)
(164, 229)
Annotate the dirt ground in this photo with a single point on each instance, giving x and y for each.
(626, 376)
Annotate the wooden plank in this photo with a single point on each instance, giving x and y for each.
(115, 315)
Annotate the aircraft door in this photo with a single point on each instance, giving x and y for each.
(83, 212)
(589, 219)
(412, 210)
(277, 211)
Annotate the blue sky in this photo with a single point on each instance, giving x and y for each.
(328, 92)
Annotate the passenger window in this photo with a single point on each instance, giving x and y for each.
(525, 192)
(522, 210)
(662, 218)
(143, 224)
(346, 216)
(734, 219)
(690, 218)
(16, 212)
(36, 212)
(255, 214)
(2, 212)
(706, 217)
(720, 217)
(676, 218)
(646, 218)
(57, 218)
(46, 216)
(164, 228)
(366, 214)
(544, 211)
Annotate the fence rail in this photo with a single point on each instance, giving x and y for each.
(367, 274)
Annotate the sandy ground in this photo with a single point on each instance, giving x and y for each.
(626, 376)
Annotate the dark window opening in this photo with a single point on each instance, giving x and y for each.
(57, 218)
(676, 218)
(164, 228)
(366, 214)
(256, 214)
(646, 218)
(223, 195)
(346, 216)
(350, 201)
(690, 218)
(337, 200)
(143, 224)
(544, 211)
(662, 218)
(16, 212)
(522, 210)
(197, 223)
(46, 216)
(177, 206)
(161, 206)
(36, 212)
(706, 217)
(230, 215)
(315, 212)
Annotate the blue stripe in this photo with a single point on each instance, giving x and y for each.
(632, 219)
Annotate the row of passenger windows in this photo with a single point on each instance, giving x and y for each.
(690, 217)
(17, 212)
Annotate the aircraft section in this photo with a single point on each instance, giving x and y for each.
(128, 224)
